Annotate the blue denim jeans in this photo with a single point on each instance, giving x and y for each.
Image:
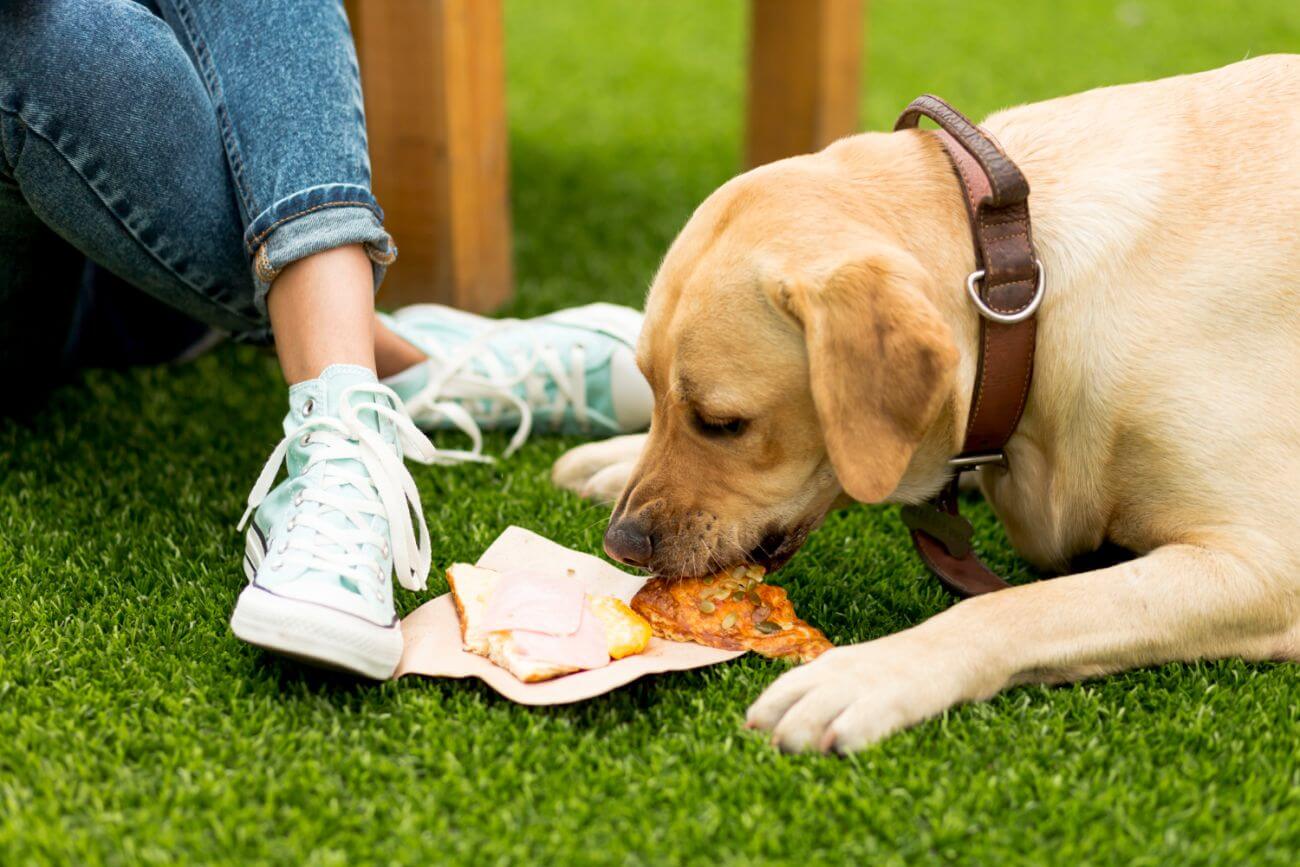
(191, 148)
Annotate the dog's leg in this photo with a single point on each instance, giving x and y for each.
(1180, 602)
(599, 471)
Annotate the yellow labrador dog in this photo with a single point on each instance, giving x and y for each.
(809, 340)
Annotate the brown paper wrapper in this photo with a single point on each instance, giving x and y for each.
(432, 631)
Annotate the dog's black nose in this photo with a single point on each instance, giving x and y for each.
(628, 542)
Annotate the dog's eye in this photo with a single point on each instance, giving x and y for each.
(720, 427)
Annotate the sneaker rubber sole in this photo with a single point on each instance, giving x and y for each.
(316, 634)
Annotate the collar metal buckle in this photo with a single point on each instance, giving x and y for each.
(979, 459)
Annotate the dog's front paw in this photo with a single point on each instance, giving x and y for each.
(853, 696)
(599, 471)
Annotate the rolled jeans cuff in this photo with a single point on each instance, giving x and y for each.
(313, 221)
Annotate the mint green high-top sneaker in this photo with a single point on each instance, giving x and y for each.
(322, 545)
(573, 371)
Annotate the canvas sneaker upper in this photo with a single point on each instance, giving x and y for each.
(573, 371)
(348, 515)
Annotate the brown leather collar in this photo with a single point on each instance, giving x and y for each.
(1006, 288)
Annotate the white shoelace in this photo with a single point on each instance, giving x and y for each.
(386, 489)
(453, 383)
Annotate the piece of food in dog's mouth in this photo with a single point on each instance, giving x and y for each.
(538, 626)
(732, 610)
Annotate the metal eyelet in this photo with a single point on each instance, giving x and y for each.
(306, 439)
(308, 406)
(293, 522)
(297, 499)
(383, 550)
(284, 546)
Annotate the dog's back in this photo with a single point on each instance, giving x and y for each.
(1168, 217)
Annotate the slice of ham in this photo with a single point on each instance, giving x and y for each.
(536, 601)
(586, 648)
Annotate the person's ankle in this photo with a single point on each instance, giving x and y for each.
(321, 309)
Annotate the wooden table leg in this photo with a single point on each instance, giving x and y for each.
(804, 66)
(433, 73)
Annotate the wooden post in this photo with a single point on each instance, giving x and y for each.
(804, 63)
(433, 74)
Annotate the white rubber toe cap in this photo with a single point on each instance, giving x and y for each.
(316, 633)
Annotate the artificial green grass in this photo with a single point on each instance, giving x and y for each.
(135, 728)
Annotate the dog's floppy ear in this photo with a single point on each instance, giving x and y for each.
(881, 362)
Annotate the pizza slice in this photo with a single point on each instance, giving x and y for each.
(732, 610)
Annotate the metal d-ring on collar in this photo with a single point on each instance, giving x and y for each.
(972, 289)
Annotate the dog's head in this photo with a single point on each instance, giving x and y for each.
(795, 357)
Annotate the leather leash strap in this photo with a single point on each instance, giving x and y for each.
(1006, 287)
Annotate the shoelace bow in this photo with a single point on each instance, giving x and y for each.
(452, 381)
(386, 490)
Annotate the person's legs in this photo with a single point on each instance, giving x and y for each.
(219, 164)
(282, 79)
